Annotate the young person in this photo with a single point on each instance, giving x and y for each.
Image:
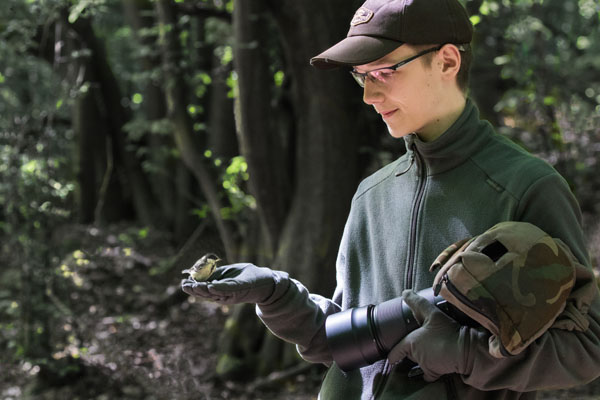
(457, 179)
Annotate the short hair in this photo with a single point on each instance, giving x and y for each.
(462, 78)
(466, 55)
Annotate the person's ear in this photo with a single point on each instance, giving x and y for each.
(449, 60)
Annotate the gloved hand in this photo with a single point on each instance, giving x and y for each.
(240, 283)
(436, 346)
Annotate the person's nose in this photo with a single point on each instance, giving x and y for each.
(372, 93)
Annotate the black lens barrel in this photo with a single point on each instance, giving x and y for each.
(350, 337)
(393, 320)
(361, 336)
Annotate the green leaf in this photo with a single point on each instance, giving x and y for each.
(475, 19)
(143, 233)
(205, 78)
(78, 9)
(278, 78)
(583, 42)
(502, 60)
(30, 167)
(227, 56)
(137, 98)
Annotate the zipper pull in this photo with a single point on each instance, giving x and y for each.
(438, 287)
(412, 161)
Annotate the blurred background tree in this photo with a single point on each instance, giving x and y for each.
(164, 129)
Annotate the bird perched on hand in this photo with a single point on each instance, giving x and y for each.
(203, 268)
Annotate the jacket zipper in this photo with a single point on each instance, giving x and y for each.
(421, 168)
(422, 171)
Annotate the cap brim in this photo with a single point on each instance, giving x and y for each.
(354, 50)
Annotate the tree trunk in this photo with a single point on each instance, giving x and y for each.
(220, 122)
(182, 124)
(99, 194)
(172, 190)
(116, 116)
(100, 197)
(261, 145)
(327, 109)
(302, 213)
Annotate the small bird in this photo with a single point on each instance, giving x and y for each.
(203, 268)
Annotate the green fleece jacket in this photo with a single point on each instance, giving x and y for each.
(401, 218)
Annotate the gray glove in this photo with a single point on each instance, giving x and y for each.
(437, 346)
(240, 283)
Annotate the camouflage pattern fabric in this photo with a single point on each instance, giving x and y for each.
(514, 279)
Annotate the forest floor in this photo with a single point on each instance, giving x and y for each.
(125, 331)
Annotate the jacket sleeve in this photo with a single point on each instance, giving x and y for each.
(299, 318)
(560, 358)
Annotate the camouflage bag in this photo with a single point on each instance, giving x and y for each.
(513, 279)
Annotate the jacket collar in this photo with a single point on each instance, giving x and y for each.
(465, 137)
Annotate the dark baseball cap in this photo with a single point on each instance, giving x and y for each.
(380, 26)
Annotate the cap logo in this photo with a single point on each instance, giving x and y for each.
(361, 16)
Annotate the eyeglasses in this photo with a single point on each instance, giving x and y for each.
(382, 75)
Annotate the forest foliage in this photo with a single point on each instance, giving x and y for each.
(200, 125)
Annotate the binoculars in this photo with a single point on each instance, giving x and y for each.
(360, 336)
